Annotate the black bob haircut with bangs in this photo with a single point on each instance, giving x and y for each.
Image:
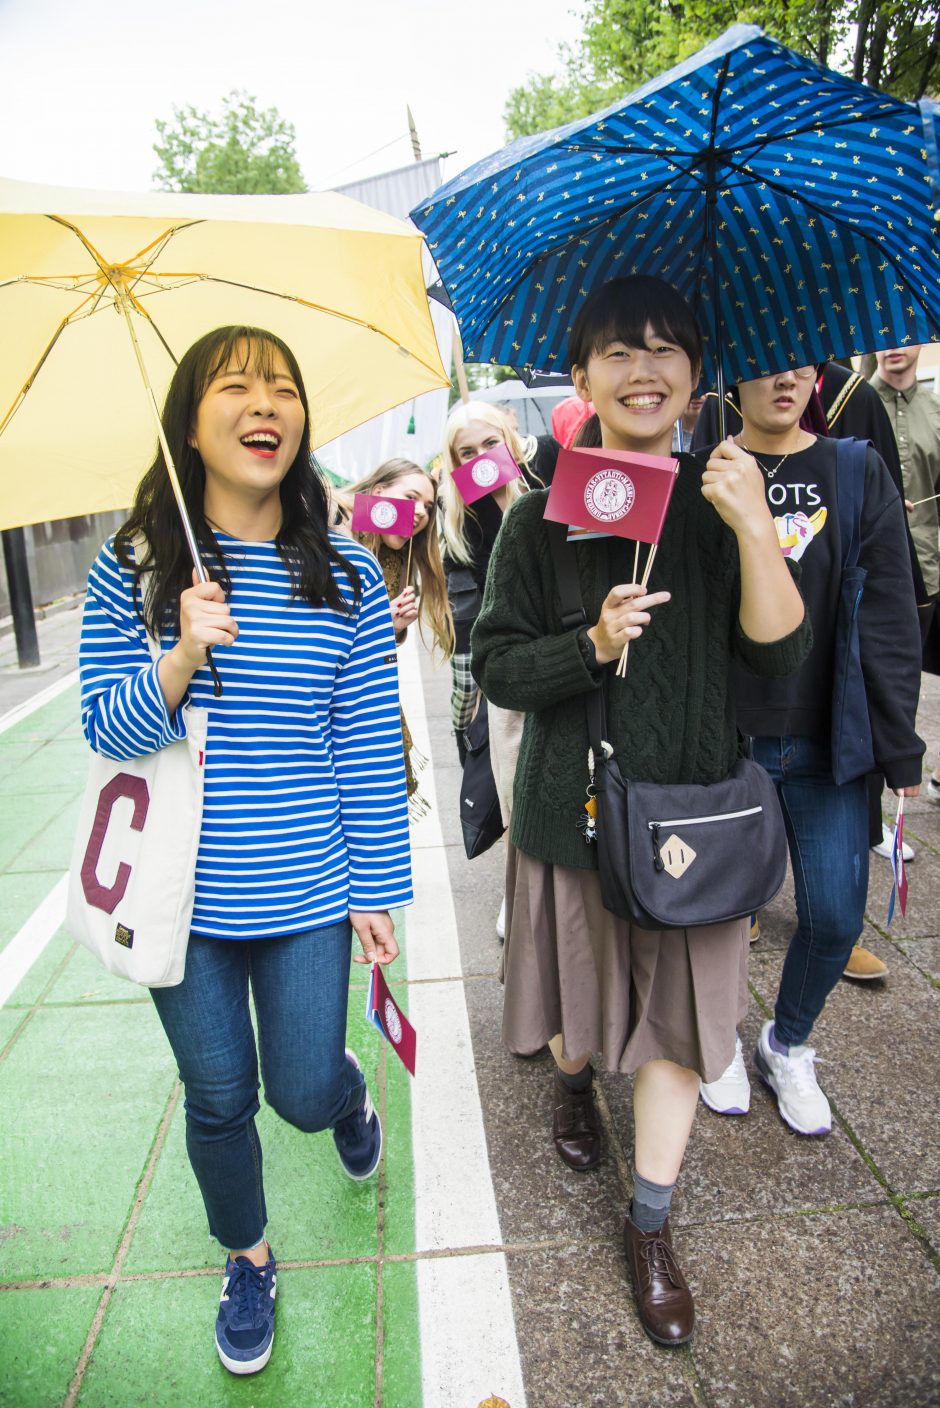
(623, 309)
(303, 542)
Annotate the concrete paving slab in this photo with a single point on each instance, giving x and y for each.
(926, 1213)
(877, 1042)
(36, 1370)
(836, 1310)
(538, 1197)
(581, 1341)
(69, 1176)
(882, 1071)
(477, 887)
(325, 1344)
(925, 956)
(753, 1165)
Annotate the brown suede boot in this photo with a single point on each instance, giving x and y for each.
(575, 1126)
(663, 1299)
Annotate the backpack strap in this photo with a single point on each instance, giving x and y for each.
(851, 456)
(565, 562)
(566, 576)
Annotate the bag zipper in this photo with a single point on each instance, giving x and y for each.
(654, 827)
(698, 820)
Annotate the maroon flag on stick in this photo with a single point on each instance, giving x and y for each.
(384, 1012)
(615, 491)
(487, 472)
(376, 513)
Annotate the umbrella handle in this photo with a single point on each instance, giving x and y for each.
(201, 573)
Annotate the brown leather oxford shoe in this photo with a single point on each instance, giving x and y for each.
(663, 1299)
(575, 1126)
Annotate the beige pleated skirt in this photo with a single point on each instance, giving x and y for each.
(625, 994)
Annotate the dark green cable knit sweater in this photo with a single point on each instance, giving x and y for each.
(671, 719)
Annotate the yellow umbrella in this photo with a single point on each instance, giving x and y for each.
(98, 287)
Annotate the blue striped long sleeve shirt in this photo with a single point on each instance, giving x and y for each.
(305, 812)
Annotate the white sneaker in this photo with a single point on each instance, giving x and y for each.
(800, 1101)
(886, 844)
(932, 792)
(730, 1094)
(501, 921)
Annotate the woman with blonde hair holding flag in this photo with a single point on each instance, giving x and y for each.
(411, 566)
(469, 532)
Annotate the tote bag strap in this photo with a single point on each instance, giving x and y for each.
(148, 587)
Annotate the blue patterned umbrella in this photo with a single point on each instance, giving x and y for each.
(795, 209)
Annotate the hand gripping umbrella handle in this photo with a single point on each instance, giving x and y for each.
(190, 536)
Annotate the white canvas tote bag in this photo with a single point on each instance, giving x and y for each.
(132, 880)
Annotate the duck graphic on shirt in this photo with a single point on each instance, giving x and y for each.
(796, 531)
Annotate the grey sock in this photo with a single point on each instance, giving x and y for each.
(579, 1081)
(650, 1206)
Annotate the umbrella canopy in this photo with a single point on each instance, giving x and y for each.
(80, 270)
(793, 208)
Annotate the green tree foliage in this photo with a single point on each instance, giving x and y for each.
(890, 44)
(479, 378)
(244, 151)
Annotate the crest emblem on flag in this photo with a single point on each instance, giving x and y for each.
(383, 515)
(392, 1021)
(485, 473)
(609, 495)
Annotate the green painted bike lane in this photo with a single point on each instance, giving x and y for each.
(108, 1278)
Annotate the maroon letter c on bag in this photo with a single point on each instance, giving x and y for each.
(123, 785)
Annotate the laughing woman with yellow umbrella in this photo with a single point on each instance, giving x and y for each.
(304, 779)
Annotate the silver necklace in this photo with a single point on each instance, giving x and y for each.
(760, 464)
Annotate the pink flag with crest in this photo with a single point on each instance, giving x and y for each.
(376, 513)
(485, 473)
(615, 491)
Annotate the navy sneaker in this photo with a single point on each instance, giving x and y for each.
(244, 1328)
(358, 1138)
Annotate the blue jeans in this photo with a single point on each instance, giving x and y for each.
(300, 984)
(827, 832)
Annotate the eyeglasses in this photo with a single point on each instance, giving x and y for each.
(803, 373)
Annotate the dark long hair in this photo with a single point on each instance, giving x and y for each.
(622, 310)
(302, 542)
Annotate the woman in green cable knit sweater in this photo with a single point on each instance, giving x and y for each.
(661, 1005)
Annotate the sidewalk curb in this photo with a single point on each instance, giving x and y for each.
(43, 613)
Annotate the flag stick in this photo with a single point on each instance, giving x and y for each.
(408, 564)
(622, 664)
(649, 564)
(929, 499)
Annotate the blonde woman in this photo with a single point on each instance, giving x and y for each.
(470, 532)
(414, 575)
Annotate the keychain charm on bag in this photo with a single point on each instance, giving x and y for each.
(587, 821)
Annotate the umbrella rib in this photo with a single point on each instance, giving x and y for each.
(835, 124)
(99, 258)
(577, 235)
(321, 308)
(21, 394)
(824, 214)
(145, 314)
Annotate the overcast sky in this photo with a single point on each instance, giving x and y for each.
(83, 82)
